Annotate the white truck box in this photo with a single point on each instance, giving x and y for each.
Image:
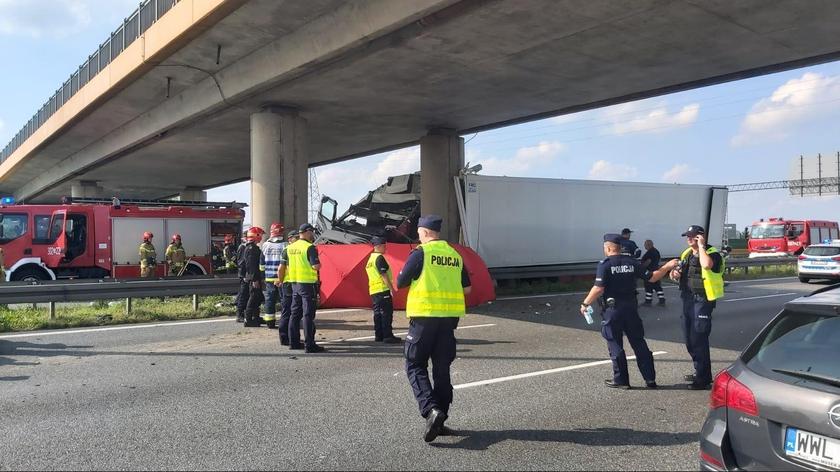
(522, 222)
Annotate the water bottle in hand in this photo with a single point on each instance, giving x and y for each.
(588, 315)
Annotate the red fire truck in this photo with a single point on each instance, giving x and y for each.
(781, 237)
(91, 238)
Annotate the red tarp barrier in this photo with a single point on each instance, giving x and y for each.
(344, 281)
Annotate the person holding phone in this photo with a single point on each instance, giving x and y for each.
(700, 275)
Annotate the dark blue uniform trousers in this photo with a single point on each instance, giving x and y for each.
(383, 315)
(697, 326)
(285, 312)
(303, 306)
(623, 320)
(430, 338)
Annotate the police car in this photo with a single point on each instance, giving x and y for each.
(819, 261)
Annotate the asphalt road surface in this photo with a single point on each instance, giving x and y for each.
(210, 394)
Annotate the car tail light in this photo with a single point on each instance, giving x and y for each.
(711, 460)
(730, 393)
(802, 257)
(718, 397)
(836, 258)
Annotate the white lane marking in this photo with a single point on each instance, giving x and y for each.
(111, 328)
(365, 338)
(761, 296)
(542, 372)
(155, 325)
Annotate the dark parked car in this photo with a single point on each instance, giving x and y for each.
(778, 406)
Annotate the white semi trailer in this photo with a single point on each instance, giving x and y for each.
(526, 222)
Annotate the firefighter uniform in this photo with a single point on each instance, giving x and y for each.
(216, 260)
(617, 275)
(301, 260)
(176, 256)
(229, 254)
(251, 280)
(148, 256)
(436, 277)
(380, 293)
(700, 288)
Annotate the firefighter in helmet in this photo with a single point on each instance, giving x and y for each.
(176, 256)
(251, 279)
(229, 253)
(148, 256)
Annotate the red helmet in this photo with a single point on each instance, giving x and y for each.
(255, 233)
(228, 238)
(176, 236)
(276, 229)
(148, 235)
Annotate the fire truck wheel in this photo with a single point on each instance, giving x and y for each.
(30, 274)
(193, 270)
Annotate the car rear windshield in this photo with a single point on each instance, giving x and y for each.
(822, 251)
(798, 341)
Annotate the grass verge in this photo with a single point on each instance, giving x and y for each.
(144, 310)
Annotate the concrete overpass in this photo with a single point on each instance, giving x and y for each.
(220, 91)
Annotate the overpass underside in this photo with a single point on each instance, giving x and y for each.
(273, 87)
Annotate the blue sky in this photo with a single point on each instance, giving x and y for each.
(746, 131)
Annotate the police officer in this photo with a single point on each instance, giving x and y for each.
(381, 290)
(148, 256)
(615, 284)
(285, 288)
(301, 263)
(251, 279)
(438, 282)
(628, 246)
(176, 256)
(650, 262)
(272, 251)
(700, 274)
(229, 254)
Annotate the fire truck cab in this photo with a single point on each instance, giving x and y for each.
(92, 238)
(781, 237)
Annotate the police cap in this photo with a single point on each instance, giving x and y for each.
(694, 230)
(612, 238)
(293, 234)
(626, 231)
(377, 240)
(306, 227)
(432, 222)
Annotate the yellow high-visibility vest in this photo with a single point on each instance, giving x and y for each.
(712, 281)
(438, 291)
(299, 269)
(375, 282)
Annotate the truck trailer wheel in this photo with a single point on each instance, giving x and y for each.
(30, 274)
(804, 280)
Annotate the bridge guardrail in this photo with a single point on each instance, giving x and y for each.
(132, 28)
(588, 268)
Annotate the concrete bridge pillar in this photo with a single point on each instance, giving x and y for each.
(86, 189)
(279, 167)
(441, 158)
(193, 194)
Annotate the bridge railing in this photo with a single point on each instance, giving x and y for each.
(132, 28)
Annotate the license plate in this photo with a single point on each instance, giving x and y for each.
(813, 448)
(819, 262)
